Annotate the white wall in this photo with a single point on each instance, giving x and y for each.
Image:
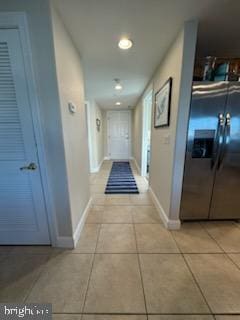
(71, 89)
(162, 155)
(190, 39)
(167, 159)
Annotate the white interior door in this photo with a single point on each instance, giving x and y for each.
(23, 218)
(119, 137)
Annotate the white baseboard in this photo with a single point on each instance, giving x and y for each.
(96, 169)
(139, 170)
(71, 242)
(106, 158)
(137, 166)
(168, 223)
(81, 223)
(65, 242)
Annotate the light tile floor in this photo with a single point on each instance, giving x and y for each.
(127, 266)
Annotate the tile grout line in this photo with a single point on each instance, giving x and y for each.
(180, 252)
(218, 244)
(140, 271)
(123, 204)
(153, 253)
(198, 285)
(90, 273)
(227, 254)
(140, 223)
(194, 279)
(37, 278)
(185, 252)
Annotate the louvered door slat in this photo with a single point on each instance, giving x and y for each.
(11, 138)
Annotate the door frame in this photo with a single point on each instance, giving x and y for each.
(144, 131)
(18, 20)
(89, 131)
(129, 130)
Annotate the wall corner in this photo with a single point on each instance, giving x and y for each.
(188, 58)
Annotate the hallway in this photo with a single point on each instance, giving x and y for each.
(127, 263)
(154, 82)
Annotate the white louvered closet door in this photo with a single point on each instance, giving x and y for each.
(23, 218)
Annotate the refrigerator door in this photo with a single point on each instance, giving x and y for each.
(206, 125)
(226, 192)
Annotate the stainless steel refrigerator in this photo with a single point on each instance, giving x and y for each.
(211, 185)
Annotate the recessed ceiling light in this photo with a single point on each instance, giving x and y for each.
(125, 43)
(118, 103)
(118, 86)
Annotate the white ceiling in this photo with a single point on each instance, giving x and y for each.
(97, 25)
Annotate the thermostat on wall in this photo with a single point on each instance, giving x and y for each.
(71, 107)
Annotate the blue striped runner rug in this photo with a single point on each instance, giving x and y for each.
(121, 179)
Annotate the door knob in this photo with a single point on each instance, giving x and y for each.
(31, 166)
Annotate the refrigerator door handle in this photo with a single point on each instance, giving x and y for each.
(226, 139)
(218, 140)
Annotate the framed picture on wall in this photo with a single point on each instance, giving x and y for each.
(162, 105)
(98, 124)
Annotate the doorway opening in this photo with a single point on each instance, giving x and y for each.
(146, 137)
(89, 134)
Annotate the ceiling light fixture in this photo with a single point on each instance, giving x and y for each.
(118, 85)
(118, 103)
(125, 43)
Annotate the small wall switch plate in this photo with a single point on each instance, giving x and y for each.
(166, 139)
(72, 108)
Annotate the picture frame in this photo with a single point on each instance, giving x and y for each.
(98, 124)
(162, 105)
